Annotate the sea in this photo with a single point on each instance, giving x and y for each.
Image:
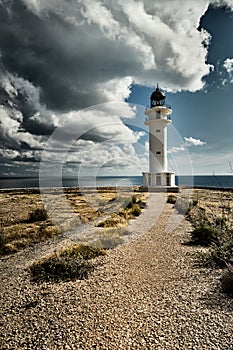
(219, 181)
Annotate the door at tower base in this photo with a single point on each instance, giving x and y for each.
(165, 179)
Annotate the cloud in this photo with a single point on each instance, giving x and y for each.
(94, 138)
(176, 149)
(72, 52)
(228, 65)
(59, 57)
(190, 141)
(11, 137)
(228, 3)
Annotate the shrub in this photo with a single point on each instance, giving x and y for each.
(67, 264)
(38, 215)
(221, 222)
(135, 210)
(113, 221)
(134, 199)
(218, 256)
(211, 258)
(171, 199)
(227, 281)
(205, 235)
(8, 248)
(2, 240)
(194, 202)
(120, 218)
(132, 202)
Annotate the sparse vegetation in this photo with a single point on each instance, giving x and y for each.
(69, 263)
(115, 220)
(39, 214)
(218, 255)
(206, 235)
(130, 209)
(182, 205)
(24, 221)
(19, 236)
(171, 199)
(212, 221)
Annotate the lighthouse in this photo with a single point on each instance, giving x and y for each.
(158, 119)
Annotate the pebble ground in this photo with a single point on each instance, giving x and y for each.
(146, 294)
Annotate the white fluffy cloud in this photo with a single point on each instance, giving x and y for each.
(227, 75)
(228, 65)
(191, 141)
(177, 149)
(115, 89)
(96, 138)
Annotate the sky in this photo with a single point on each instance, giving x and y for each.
(76, 76)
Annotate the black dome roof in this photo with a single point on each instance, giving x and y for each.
(157, 95)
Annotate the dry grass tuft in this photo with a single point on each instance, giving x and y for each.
(130, 208)
(70, 263)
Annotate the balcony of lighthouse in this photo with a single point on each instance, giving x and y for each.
(158, 113)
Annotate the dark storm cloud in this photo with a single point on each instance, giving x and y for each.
(71, 50)
(37, 127)
(69, 53)
(55, 56)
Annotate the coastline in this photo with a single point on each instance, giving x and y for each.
(106, 188)
(216, 181)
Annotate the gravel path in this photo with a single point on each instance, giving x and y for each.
(143, 295)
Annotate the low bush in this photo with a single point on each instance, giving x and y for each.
(136, 210)
(211, 258)
(113, 221)
(120, 217)
(9, 248)
(206, 235)
(194, 202)
(72, 262)
(221, 222)
(218, 256)
(171, 199)
(39, 214)
(132, 202)
(227, 281)
(2, 241)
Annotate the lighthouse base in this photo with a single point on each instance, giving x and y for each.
(164, 181)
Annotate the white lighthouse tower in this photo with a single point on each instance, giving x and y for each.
(158, 119)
